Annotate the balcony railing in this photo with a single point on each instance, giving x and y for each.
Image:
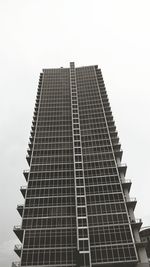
(18, 231)
(20, 209)
(138, 220)
(28, 158)
(126, 183)
(131, 199)
(31, 139)
(16, 264)
(29, 152)
(18, 247)
(122, 167)
(131, 202)
(30, 145)
(20, 206)
(117, 146)
(32, 133)
(26, 173)
(23, 187)
(136, 223)
(17, 227)
(23, 190)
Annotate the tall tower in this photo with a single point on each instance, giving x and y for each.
(77, 210)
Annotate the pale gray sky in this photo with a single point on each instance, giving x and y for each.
(38, 34)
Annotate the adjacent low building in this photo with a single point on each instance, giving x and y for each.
(145, 237)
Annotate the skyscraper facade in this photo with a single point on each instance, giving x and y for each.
(77, 210)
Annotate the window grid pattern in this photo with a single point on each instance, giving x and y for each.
(107, 215)
(49, 216)
(75, 212)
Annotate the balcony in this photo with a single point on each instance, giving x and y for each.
(18, 231)
(100, 79)
(33, 128)
(118, 154)
(23, 190)
(29, 149)
(111, 123)
(29, 152)
(126, 184)
(110, 118)
(108, 112)
(136, 223)
(37, 100)
(115, 140)
(30, 145)
(18, 249)
(26, 174)
(16, 264)
(38, 91)
(34, 123)
(34, 117)
(104, 96)
(122, 168)
(105, 100)
(35, 112)
(28, 158)
(114, 134)
(35, 108)
(107, 109)
(32, 133)
(36, 105)
(116, 146)
(31, 139)
(106, 105)
(112, 129)
(20, 209)
(131, 202)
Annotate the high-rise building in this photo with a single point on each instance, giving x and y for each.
(77, 210)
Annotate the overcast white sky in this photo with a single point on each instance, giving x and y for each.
(36, 34)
